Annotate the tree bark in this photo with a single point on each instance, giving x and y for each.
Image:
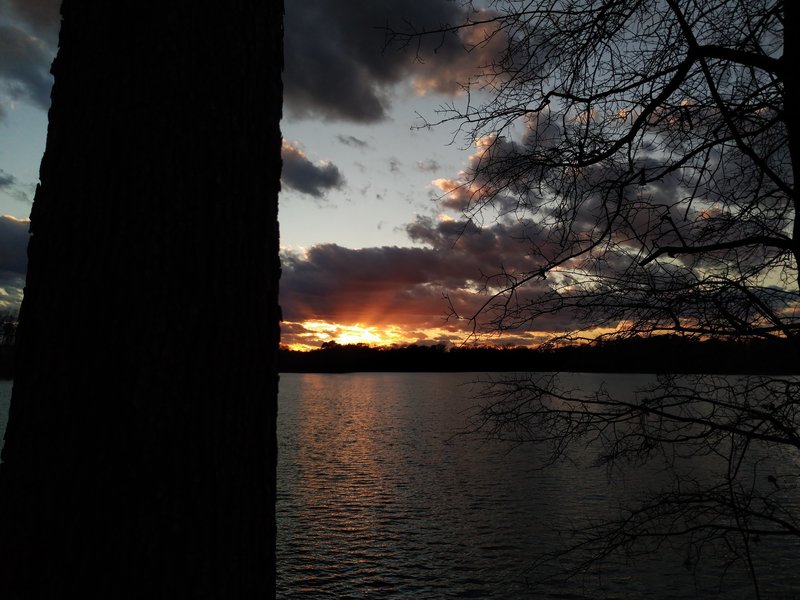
(140, 453)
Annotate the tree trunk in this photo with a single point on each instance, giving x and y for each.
(140, 453)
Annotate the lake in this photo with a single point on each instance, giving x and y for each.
(379, 498)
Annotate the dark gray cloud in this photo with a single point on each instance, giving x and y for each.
(337, 62)
(352, 141)
(304, 176)
(41, 15)
(7, 181)
(24, 66)
(12, 187)
(28, 40)
(406, 286)
(482, 251)
(378, 286)
(338, 65)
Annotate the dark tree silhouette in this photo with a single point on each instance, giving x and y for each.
(139, 460)
(648, 147)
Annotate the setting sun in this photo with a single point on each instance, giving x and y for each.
(316, 332)
(310, 335)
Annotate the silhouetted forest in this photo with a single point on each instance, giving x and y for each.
(660, 354)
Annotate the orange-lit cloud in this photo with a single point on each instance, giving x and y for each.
(404, 295)
(471, 59)
(456, 194)
(310, 335)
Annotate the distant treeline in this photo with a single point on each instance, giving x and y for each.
(659, 354)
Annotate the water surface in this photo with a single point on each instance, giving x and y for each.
(377, 498)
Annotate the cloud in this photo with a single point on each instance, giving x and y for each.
(456, 195)
(406, 286)
(28, 40)
(338, 65)
(11, 186)
(428, 165)
(502, 180)
(41, 15)
(477, 252)
(497, 175)
(24, 66)
(464, 59)
(354, 142)
(373, 286)
(7, 180)
(306, 177)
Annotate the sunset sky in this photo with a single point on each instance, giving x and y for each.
(371, 243)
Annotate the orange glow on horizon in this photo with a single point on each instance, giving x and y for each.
(310, 335)
(315, 333)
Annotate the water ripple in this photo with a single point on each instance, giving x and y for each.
(376, 499)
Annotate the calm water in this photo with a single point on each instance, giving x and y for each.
(377, 499)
